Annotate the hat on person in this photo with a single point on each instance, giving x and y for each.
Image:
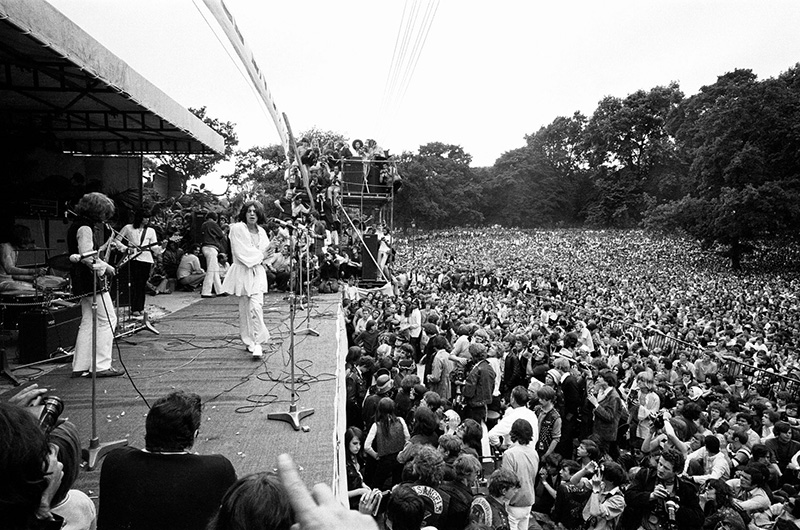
(695, 393)
(383, 381)
(566, 354)
(555, 374)
(405, 364)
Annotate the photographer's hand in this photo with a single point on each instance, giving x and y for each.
(28, 397)
(322, 510)
(54, 475)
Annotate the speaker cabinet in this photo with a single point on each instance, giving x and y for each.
(43, 331)
(352, 176)
(369, 270)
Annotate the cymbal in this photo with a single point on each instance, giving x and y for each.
(33, 249)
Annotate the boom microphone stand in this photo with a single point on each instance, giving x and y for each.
(96, 450)
(293, 416)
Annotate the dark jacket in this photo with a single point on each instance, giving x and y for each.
(479, 385)
(606, 416)
(638, 505)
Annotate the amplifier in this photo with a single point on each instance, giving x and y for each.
(43, 331)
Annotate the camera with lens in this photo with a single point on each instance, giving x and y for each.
(52, 407)
(658, 420)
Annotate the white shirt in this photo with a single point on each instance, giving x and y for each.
(503, 427)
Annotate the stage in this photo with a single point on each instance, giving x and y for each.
(199, 350)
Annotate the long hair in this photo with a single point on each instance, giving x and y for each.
(350, 434)
(260, 217)
(96, 207)
(385, 416)
(138, 218)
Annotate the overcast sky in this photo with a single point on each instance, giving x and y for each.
(488, 73)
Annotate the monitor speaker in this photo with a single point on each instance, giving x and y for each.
(43, 331)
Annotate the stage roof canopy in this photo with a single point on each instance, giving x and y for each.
(58, 82)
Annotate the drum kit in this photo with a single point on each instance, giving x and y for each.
(46, 291)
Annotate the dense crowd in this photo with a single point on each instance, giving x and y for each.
(613, 379)
(506, 379)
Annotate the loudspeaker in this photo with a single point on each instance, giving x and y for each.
(43, 331)
(352, 176)
(369, 270)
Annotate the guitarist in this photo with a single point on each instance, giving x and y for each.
(93, 208)
(140, 240)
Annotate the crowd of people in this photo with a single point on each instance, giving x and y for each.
(510, 380)
(592, 379)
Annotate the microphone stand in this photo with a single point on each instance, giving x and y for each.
(294, 416)
(308, 330)
(96, 450)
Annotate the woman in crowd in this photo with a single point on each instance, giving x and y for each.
(386, 438)
(716, 499)
(93, 209)
(140, 240)
(353, 442)
(247, 277)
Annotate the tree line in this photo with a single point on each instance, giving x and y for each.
(722, 166)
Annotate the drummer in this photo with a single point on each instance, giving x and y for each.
(13, 278)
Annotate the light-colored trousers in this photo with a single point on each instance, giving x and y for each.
(519, 517)
(106, 323)
(212, 271)
(251, 319)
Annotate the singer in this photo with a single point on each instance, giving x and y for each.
(247, 277)
(93, 208)
(662, 500)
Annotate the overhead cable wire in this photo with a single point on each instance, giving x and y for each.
(403, 69)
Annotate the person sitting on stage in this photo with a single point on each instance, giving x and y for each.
(164, 485)
(277, 265)
(93, 208)
(190, 273)
(13, 278)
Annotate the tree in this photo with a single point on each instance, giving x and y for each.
(194, 166)
(439, 188)
(628, 149)
(740, 140)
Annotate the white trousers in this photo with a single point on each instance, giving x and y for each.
(519, 517)
(212, 271)
(106, 323)
(251, 319)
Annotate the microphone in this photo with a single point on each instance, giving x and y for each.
(75, 258)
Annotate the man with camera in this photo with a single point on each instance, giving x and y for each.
(660, 499)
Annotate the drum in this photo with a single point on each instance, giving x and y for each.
(11, 304)
(50, 282)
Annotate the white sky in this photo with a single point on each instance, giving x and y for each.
(489, 73)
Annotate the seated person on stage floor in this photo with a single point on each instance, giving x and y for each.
(278, 269)
(164, 485)
(13, 278)
(190, 273)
